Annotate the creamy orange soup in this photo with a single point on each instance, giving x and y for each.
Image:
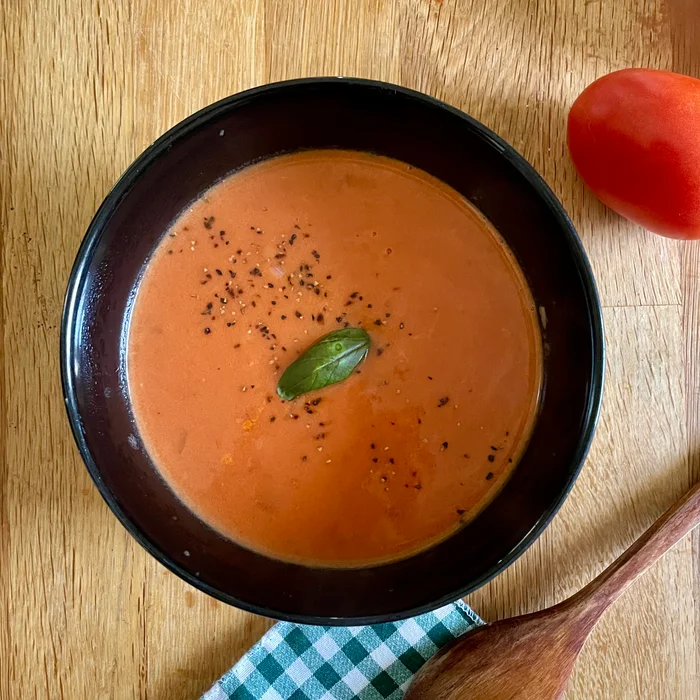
(416, 441)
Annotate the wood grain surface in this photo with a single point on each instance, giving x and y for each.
(86, 85)
(532, 656)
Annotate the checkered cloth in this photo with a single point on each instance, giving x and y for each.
(377, 662)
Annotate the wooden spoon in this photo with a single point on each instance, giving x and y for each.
(531, 657)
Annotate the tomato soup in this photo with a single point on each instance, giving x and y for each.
(417, 439)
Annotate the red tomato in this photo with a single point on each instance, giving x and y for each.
(634, 137)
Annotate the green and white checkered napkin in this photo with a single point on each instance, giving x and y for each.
(375, 662)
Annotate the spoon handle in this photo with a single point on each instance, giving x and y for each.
(592, 601)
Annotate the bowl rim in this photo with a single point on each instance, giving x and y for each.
(76, 283)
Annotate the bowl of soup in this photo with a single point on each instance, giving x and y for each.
(332, 351)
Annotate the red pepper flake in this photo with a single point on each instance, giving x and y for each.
(489, 476)
(283, 317)
(237, 345)
(444, 445)
(304, 458)
(378, 322)
(319, 318)
(461, 511)
(339, 319)
(255, 271)
(316, 254)
(208, 222)
(207, 331)
(491, 458)
(380, 352)
(443, 401)
(272, 419)
(292, 238)
(375, 459)
(298, 314)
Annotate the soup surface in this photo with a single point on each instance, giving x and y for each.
(412, 444)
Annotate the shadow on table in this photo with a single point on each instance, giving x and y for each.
(553, 571)
(205, 665)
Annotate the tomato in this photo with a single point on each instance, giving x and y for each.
(634, 136)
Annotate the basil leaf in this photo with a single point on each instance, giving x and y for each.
(328, 361)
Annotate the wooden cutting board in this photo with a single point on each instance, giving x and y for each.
(86, 85)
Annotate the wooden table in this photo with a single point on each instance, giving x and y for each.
(86, 85)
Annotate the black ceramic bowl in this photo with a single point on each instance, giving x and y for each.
(350, 114)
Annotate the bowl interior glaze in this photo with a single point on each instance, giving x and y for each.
(350, 114)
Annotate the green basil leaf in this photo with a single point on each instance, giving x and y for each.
(329, 360)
